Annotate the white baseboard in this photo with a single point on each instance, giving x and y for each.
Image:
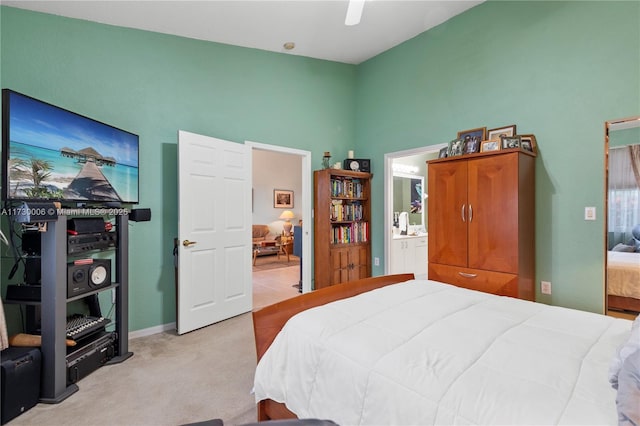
(152, 330)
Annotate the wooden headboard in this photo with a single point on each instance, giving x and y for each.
(268, 321)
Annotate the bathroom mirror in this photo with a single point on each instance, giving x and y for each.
(622, 214)
(408, 196)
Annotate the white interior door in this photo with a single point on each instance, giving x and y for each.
(214, 228)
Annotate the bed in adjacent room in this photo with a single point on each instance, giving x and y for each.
(623, 280)
(394, 350)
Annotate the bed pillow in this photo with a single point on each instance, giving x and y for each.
(630, 346)
(628, 397)
(624, 247)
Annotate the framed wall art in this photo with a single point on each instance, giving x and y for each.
(282, 199)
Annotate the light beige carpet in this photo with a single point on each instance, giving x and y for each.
(170, 380)
(173, 380)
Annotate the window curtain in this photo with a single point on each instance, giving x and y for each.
(634, 155)
(624, 193)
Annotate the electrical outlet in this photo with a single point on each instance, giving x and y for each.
(376, 261)
(545, 287)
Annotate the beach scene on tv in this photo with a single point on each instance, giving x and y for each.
(58, 155)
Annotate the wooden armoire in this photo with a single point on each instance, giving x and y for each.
(481, 222)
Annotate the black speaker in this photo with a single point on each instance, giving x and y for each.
(85, 277)
(20, 381)
(31, 243)
(357, 164)
(140, 215)
(86, 225)
(32, 270)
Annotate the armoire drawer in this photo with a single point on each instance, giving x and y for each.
(490, 282)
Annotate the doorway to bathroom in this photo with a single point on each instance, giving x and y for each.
(405, 207)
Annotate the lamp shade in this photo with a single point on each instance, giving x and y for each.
(287, 214)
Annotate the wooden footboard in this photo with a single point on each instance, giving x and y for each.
(623, 303)
(268, 321)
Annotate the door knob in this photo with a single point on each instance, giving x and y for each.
(188, 243)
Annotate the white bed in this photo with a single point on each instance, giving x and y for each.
(423, 352)
(623, 274)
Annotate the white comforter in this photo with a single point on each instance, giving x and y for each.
(424, 352)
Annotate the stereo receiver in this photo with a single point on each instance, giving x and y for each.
(88, 358)
(94, 241)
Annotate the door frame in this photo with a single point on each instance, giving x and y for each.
(306, 198)
(388, 192)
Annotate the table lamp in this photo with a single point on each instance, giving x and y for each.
(287, 215)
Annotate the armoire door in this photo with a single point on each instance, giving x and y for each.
(493, 213)
(448, 213)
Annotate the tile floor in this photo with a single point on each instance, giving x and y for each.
(274, 285)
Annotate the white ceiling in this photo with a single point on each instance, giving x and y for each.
(316, 27)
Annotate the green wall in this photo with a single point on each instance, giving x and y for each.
(154, 85)
(558, 70)
(555, 69)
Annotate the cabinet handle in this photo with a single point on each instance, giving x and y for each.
(462, 213)
(466, 275)
(470, 213)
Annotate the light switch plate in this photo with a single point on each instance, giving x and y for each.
(589, 213)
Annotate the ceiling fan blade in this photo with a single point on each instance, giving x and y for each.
(354, 12)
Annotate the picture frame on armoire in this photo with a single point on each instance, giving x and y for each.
(528, 143)
(490, 145)
(472, 139)
(498, 132)
(510, 142)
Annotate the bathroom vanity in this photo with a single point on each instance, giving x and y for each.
(409, 254)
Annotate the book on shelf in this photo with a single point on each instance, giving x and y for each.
(345, 212)
(346, 187)
(357, 232)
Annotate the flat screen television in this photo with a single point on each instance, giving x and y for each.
(51, 154)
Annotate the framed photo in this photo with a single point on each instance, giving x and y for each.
(443, 152)
(510, 142)
(456, 147)
(490, 145)
(472, 139)
(282, 199)
(472, 145)
(528, 143)
(501, 131)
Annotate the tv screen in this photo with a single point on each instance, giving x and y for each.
(49, 153)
